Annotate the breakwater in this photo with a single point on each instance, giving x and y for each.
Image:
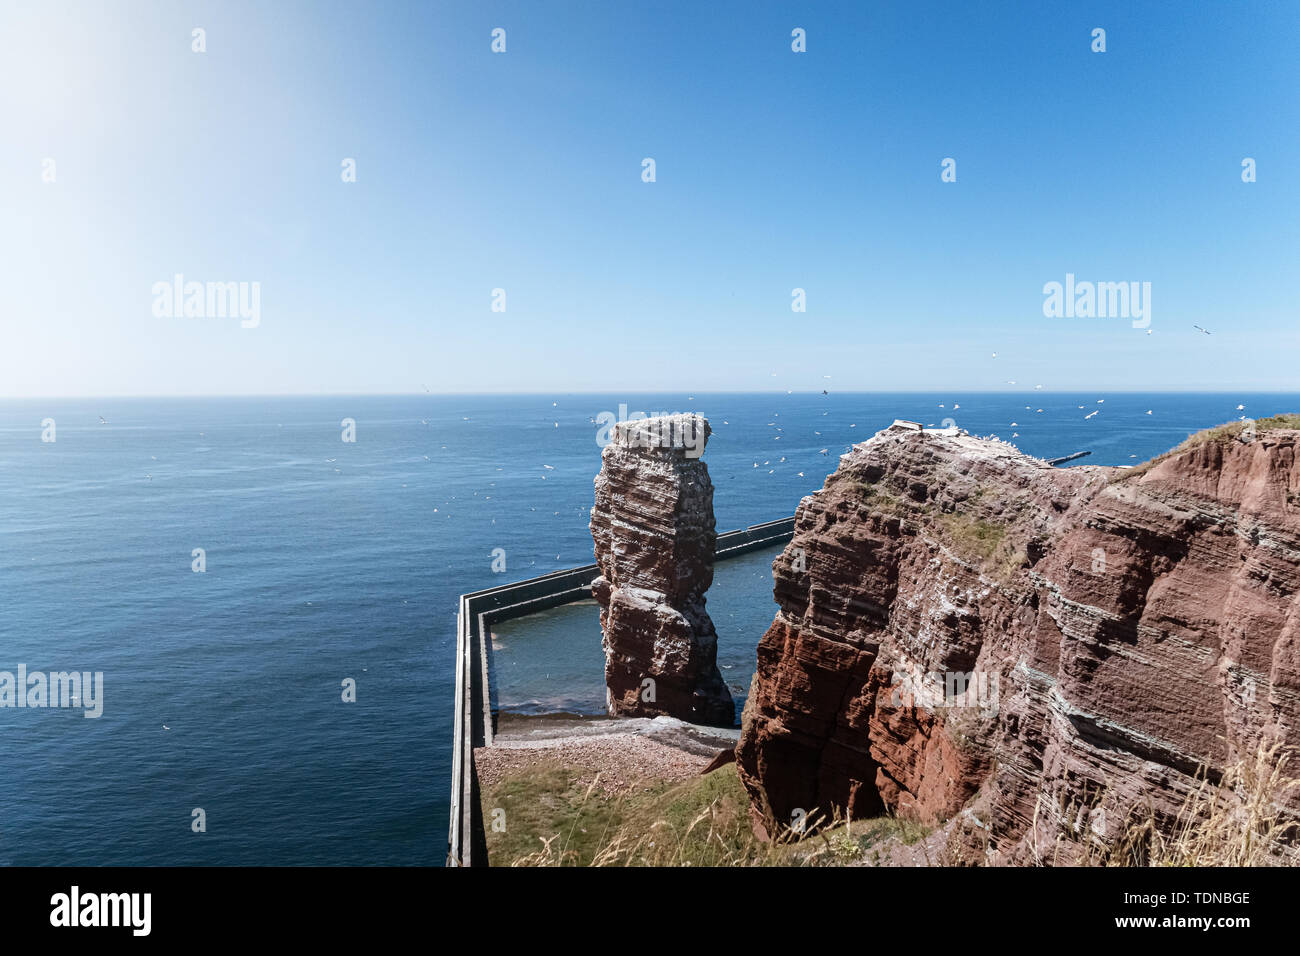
(474, 721)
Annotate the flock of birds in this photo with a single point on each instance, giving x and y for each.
(778, 435)
(779, 429)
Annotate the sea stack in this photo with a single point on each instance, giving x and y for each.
(655, 537)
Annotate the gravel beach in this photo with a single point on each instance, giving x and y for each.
(623, 752)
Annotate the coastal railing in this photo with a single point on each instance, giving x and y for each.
(478, 611)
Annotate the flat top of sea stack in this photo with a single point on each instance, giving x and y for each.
(687, 433)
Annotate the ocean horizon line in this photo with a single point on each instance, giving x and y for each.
(647, 393)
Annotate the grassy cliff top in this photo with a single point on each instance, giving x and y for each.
(1219, 434)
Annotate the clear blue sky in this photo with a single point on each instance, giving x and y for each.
(522, 170)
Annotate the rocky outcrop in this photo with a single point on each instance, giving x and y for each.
(966, 632)
(655, 536)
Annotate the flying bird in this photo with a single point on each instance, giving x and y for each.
(1199, 329)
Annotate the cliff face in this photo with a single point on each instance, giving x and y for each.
(966, 631)
(655, 536)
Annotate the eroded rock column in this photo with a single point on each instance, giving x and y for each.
(655, 537)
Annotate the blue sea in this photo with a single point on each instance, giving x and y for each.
(329, 561)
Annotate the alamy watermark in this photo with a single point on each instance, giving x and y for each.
(1098, 300)
(661, 430)
(128, 910)
(66, 689)
(979, 689)
(208, 300)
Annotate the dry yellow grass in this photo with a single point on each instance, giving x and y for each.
(1240, 820)
(699, 822)
(1220, 434)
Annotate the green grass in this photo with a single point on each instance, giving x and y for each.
(864, 842)
(547, 802)
(983, 543)
(879, 497)
(972, 538)
(551, 819)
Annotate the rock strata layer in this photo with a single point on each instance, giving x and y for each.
(654, 538)
(966, 632)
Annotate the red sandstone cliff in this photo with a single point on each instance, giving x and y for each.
(655, 536)
(1115, 629)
